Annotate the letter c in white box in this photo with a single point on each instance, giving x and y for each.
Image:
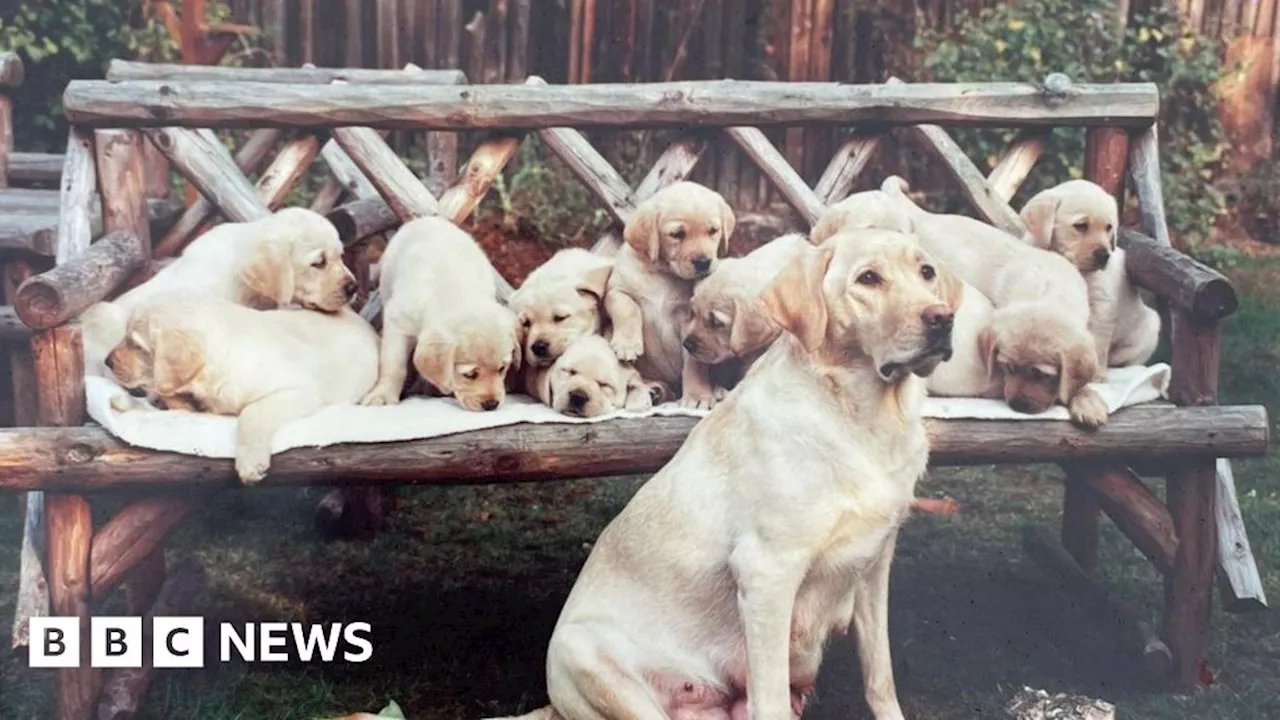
(177, 642)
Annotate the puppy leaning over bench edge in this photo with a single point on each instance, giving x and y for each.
(717, 586)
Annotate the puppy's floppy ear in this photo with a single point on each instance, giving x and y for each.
(987, 347)
(1076, 369)
(517, 348)
(752, 328)
(728, 221)
(794, 299)
(433, 357)
(641, 232)
(829, 224)
(269, 271)
(1039, 214)
(177, 357)
(595, 281)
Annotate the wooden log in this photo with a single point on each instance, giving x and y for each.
(136, 531)
(973, 184)
(1017, 163)
(1135, 510)
(719, 103)
(89, 458)
(1135, 634)
(248, 159)
(79, 184)
(35, 168)
(11, 70)
(33, 588)
(360, 219)
(120, 70)
(125, 688)
(21, 362)
(1242, 589)
(846, 166)
(286, 170)
(1079, 530)
(143, 583)
(12, 330)
(346, 172)
(397, 184)
(158, 180)
(328, 196)
(214, 175)
(55, 296)
(30, 234)
(485, 163)
(775, 166)
(1180, 280)
(1106, 153)
(1144, 171)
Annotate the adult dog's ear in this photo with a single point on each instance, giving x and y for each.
(987, 347)
(752, 328)
(728, 221)
(177, 357)
(433, 358)
(595, 281)
(269, 271)
(1039, 214)
(641, 232)
(794, 299)
(1076, 369)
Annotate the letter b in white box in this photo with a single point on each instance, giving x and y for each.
(115, 642)
(177, 642)
(55, 642)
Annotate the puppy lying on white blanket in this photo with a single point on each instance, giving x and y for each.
(560, 302)
(588, 380)
(269, 367)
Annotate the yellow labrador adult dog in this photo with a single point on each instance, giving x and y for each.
(715, 590)
(673, 239)
(1079, 220)
(291, 257)
(268, 367)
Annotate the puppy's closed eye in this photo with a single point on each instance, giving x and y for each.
(1081, 226)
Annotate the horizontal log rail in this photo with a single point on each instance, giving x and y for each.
(1177, 278)
(713, 103)
(35, 168)
(57, 295)
(120, 70)
(86, 459)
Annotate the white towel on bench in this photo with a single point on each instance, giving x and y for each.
(418, 418)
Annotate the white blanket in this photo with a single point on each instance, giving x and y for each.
(417, 417)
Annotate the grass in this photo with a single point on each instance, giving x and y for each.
(464, 587)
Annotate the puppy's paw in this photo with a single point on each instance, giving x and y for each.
(1088, 410)
(718, 393)
(704, 400)
(252, 464)
(627, 348)
(381, 395)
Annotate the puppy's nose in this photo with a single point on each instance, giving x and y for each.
(702, 265)
(1100, 257)
(937, 318)
(540, 348)
(577, 399)
(350, 288)
(1021, 404)
(490, 404)
(691, 344)
(110, 362)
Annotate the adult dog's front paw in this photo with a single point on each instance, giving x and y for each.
(1088, 410)
(381, 395)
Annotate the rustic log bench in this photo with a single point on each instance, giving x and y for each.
(1179, 441)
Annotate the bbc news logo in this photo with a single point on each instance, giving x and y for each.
(179, 642)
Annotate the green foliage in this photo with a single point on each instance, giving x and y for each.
(548, 195)
(1027, 40)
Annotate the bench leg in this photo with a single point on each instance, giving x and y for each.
(70, 528)
(1079, 519)
(1187, 590)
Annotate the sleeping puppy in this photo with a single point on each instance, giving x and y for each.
(728, 319)
(440, 306)
(291, 257)
(1079, 220)
(588, 380)
(673, 239)
(560, 302)
(967, 372)
(1038, 339)
(268, 367)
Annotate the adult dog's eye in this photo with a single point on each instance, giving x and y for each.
(1081, 226)
(927, 272)
(560, 317)
(319, 262)
(678, 234)
(869, 277)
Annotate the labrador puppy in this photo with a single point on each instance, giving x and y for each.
(587, 380)
(440, 306)
(293, 257)
(559, 302)
(728, 319)
(267, 367)
(715, 590)
(1038, 339)
(1079, 220)
(967, 373)
(673, 239)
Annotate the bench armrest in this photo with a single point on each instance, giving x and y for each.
(1178, 279)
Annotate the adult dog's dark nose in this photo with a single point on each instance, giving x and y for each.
(937, 319)
(540, 348)
(351, 288)
(1100, 258)
(691, 344)
(577, 399)
(702, 265)
(490, 404)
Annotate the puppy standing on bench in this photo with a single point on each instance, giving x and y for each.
(673, 239)
(268, 367)
(713, 593)
(440, 304)
(1079, 220)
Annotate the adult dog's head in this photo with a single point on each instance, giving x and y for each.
(297, 258)
(682, 229)
(470, 358)
(868, 295)
(1078, 220)
(1041, 358)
